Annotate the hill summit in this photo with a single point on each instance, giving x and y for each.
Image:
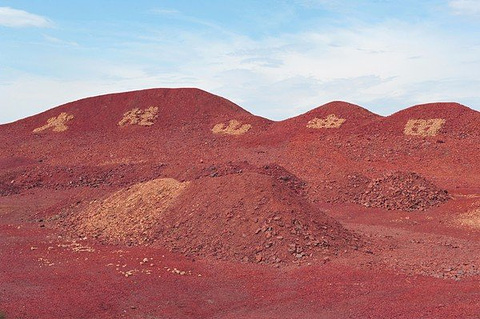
(168, 107)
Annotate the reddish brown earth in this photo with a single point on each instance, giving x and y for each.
(132, 205)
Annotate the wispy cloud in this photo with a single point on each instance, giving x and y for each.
(14, 18)
(180, 16)
(161, 11)
(58, 41)
(384, 66)
(374, 66)
(465, 7)
(319, 3)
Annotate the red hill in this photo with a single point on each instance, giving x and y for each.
(437, 140)
(149, 123)
(328, 118)
(176, 107)
(453, 120)
(355, 113)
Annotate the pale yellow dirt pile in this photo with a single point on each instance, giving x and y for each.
(140, 117)
(234, 127)
(331, 121)
(57, 124)
(471, 219)
(130, 215)
(419, 127)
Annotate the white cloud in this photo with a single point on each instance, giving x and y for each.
(15, 18)
(465, 7)
(383, 67)
(365, 65)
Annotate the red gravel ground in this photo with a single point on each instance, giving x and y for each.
(271, 223)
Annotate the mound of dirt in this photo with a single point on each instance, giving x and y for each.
(429, 120)
(402, 191)
(174, 120)
(276, 171)
(245, 215)
(337, 114)
(130, 215)
(166, 108)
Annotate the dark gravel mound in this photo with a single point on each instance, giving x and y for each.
(402, 191)
(252, 216)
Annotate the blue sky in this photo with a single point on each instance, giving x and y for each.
(276, 59)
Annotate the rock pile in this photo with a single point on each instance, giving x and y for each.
(252, 217)
(402, 191)
(247, 214)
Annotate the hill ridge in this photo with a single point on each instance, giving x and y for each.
(133, 98)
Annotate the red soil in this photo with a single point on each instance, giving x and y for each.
(280, 194)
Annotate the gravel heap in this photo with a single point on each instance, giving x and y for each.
(252, 215)
(402, 191)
